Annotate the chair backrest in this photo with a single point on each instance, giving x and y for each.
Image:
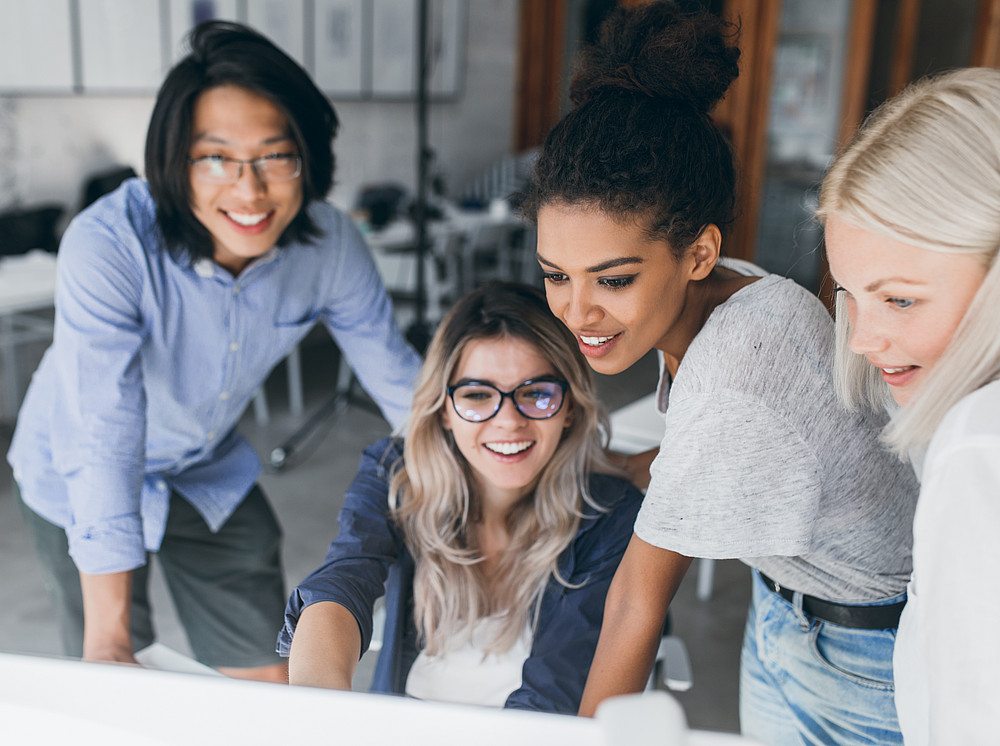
(441, 281)
(487, 252)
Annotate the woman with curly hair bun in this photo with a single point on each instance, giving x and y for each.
(493, 530)
(633, 194)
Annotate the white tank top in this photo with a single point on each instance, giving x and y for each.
(465, 675)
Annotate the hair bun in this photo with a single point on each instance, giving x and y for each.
(659, 51)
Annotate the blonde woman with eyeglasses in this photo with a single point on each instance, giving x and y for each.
(493, 530)
(176, 296)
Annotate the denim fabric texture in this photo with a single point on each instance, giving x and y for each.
(805, 681)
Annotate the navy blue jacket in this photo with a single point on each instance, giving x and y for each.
(369, 556)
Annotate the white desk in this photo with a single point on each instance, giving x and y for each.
(27, 286)
(45, 700)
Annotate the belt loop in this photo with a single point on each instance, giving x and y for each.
(804, 622)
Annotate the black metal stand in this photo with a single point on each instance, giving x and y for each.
(282, 456)
(419, 332)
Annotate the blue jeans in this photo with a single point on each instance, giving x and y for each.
(805, 681)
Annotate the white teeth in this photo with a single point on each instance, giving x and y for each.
(245, 218)
(509, 449)
(896, 370)
(595, 341)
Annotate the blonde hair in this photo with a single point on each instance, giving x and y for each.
(924, 169)
(432, 495)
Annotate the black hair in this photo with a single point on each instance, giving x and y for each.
(224, 53)
(639, 143)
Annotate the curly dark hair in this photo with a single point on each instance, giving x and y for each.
(639, 143)
(224, 53)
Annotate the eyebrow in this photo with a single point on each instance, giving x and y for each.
(611, 264)
(874, 286)
(207, 137)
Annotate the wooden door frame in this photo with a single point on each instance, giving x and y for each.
(541, 51)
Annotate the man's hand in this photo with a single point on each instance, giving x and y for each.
(107, 615)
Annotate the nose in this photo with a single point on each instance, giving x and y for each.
(866, 336)
(249, 184)
(508, 415)
(580, 310)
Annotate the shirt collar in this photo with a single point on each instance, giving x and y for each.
(206, 268)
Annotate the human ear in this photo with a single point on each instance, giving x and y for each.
(704, 252)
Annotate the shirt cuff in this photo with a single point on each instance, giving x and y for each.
(114, 545)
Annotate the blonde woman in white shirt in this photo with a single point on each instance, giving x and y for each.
(912, 216)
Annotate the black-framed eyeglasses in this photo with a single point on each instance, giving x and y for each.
(218, 169)
(476, 401)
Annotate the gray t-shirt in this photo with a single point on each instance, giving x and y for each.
(761, 462)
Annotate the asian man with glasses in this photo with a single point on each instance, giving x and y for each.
(176, 296)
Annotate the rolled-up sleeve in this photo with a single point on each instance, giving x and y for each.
(354, 571)
(98, 446)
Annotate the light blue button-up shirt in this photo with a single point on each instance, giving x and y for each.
(155, 358)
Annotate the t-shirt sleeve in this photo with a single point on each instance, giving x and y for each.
(732, 480)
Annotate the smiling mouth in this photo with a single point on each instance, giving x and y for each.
(509, 449)
(892, 371)
(247, 219)
(596, 341)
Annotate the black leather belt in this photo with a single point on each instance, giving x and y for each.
(845, 615)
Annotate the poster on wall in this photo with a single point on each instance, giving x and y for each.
(394, 48)
(186, 14)
(282, 22)
(120, 47)
(36, 46)
(339, 47)
(445, 42)
(395, 40)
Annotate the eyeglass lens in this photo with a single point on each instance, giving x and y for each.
(537, 400)
(229, 170)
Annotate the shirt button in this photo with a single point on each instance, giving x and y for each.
(236, 289)
(161, 485)
(224, 395)
(211, 434)
(234, 346)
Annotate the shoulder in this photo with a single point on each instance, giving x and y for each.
(384, 455)
(773, 306)
(337, 229)
(770, 333)
(613, 496)
(123, 219)
(973, 422)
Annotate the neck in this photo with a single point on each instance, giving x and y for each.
(702, 298)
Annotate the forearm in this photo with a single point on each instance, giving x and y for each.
(634, 615)
(107, 615)
(326, 647)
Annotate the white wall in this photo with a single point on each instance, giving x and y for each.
(57, 142)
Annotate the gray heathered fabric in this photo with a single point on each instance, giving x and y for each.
(761, 462)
